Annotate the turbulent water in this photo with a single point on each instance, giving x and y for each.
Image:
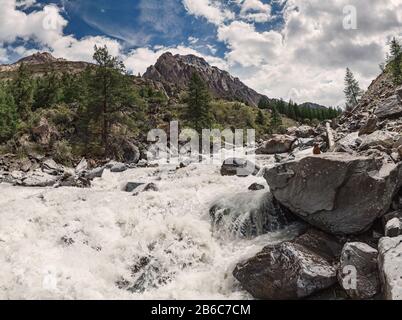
(104, 243)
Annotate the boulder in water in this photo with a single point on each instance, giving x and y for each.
(390, 265)
(256, 187)
(336, 192)
(249, 214)
(118, 167)
(94, 173)
(277, 144)
(239, 167)
(39, 179)
(290, 270)
(360, 258)
(131, 186)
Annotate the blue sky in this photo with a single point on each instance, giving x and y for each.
(295, 49)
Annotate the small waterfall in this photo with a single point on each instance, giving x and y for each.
(251, 214)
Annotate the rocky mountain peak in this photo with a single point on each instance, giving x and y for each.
(175, 71)
(39, 58)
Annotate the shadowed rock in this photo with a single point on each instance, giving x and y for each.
(336, 192)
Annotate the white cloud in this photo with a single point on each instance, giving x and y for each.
(255, 10)
(306, 59)
(208, 9)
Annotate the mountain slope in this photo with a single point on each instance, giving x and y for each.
(174, 72)
(40, 63)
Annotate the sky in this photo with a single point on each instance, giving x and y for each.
(290, 49)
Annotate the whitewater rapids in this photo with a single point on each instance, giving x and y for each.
(104, 243)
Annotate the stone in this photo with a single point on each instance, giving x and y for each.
(390, 108)
(336, 192)
(39, 179)
(391, 215)
(131, 186)
(118, 167)
(82, 166)
(51, 167)
(348, 143)
(249, 214)
(362, 258)
(378, 138)
(131, 153)
(277, 144)
(94, 173)
(151, 187)
(390, 265)
(369, 127)
(239, 167)
(285, 271)
(256, 187)
(393, 228)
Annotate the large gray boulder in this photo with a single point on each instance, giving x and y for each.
(277, 144)
(336, 192)
(390, 108)
(239, 167)
(379, 138)
(349, 143)
(363, 259)
(291, 270)
(39, 179)
(390, 265)
(249, 214)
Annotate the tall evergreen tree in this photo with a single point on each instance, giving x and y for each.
(23, 92)
(109, 92)
(276, 120)
(198, 104)
(8, 115)
(395, 61)
(352, 90)
(260, 120)
(48, 90)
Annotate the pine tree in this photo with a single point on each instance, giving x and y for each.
(352, 91)
(395, 61)
(260, 120)
(23, 92)
(198, 104)
(8, 115)
(276, 120)
(48, 91)
(109, 92)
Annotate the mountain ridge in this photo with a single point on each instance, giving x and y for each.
(175, 71)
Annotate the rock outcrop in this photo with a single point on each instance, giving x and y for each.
(390, 265)
(363, 259)
(239, 167)
(291, 270)
(277, 144)
(175, 71)
(336, 192)
(249, 214)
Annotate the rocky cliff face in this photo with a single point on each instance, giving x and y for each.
(174, 72)
(40, 63)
